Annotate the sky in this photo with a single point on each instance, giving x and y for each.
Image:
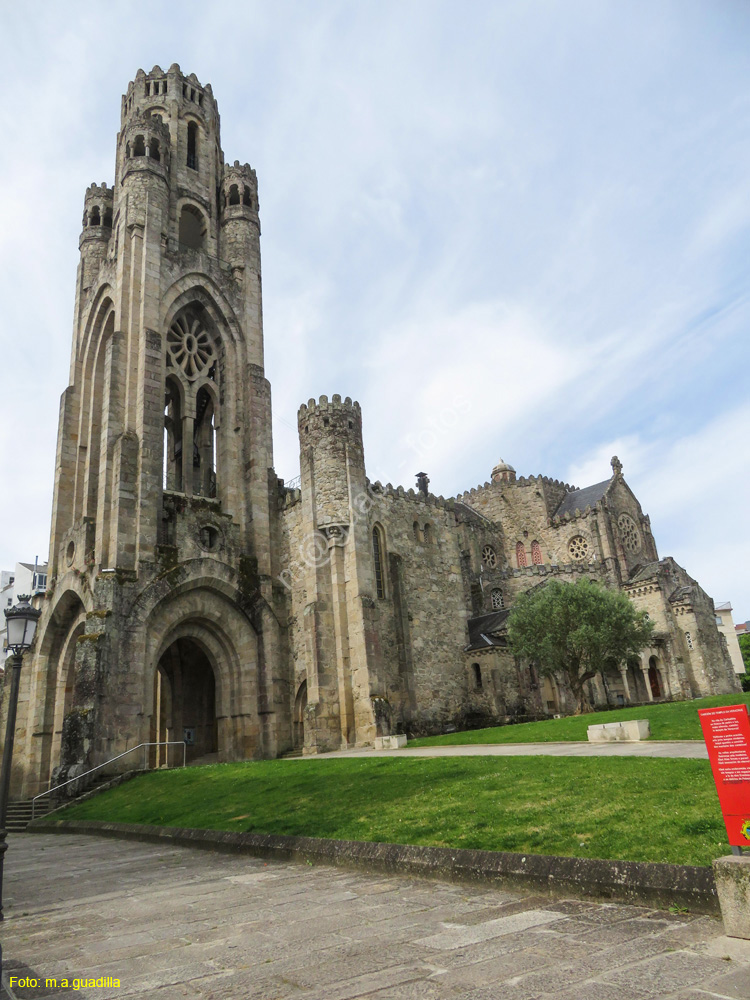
(515, 229)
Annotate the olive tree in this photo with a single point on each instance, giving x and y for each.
(576, 630)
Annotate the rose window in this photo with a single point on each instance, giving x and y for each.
(488, 557)
(578, 548)
(189, 346)
(631, 538)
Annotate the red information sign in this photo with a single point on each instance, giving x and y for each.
(726, 731)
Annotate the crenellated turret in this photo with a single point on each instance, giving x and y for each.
(240, 225)
(332, 460)
(96, 232)
(170, 130)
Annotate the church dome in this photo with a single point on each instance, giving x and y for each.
(503, 473)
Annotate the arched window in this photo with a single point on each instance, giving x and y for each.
(246, 197)
(497, 599)
(477, 670)
(94, 219)
(536, 553)
(139, 147)
(107, 221)
(192, 146)
(520, 554)
(192, 411)
(415, 529)
(192, 227)
(427, 534)
(234, 195)
(377, 555)
(153, 150)
(689, 640)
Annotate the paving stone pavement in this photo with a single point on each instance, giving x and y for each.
(173, 922)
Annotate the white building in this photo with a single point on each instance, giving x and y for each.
(726, 626)
(27, 579)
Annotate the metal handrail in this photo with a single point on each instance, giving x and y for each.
(165, 743)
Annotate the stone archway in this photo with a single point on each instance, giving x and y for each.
(185, 701)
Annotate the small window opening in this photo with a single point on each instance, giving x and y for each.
(520, 554)
(148, 90)
(377, 552)
(209, 537)
(246, 199)
(192, 148)
(192, 228)
(107, 217)
(154, 150)
(200, 100)
(95, 219)
(477, 675)
(234, 195)
(415, 529)
(497, 599)
(139, 148)
(192, 95)
(536, 553)
(184, 90)
(427, 534)
(326, 421)
(351, 425)
(689, 640)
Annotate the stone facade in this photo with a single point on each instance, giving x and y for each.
(191, 595)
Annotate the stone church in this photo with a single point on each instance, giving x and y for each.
(193, 596)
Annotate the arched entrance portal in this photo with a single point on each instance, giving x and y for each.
(185, 701)
(654, 678)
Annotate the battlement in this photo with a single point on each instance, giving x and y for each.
(389, 490)
(161, 90)
(521, 481)
(97, 206)
(326, 409)
(239, 190)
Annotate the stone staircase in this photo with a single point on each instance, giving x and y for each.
(19, 814)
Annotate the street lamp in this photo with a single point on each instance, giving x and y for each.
(21, 623)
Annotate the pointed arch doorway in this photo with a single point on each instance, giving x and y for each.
(185, 701)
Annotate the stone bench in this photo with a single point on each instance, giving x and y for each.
(390, 742)
(617, 732)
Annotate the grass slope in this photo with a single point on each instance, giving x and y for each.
(620, 808)
(677, 720)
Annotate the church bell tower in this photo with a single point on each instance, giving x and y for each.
(160, 621)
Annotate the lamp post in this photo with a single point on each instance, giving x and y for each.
(21, 621)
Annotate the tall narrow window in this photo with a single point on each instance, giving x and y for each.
(234, 195)
(377, 554)
(427, 534)
(477, 675)
(172, 437)
(536, 554)
(689, 640)
(497, 599)
(192, 149)
(204, 446)
(520, 554)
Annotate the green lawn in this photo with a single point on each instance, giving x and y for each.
(677, 720)
(635, 809)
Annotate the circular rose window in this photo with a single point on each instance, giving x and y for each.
(488, 557)
(629, 533)
(189, 346)
(578, 547)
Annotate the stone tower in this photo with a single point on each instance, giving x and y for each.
(160, 620)
(341, 660)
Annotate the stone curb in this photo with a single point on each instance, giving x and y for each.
(641, 883)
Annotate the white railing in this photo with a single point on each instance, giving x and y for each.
(144, 746)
